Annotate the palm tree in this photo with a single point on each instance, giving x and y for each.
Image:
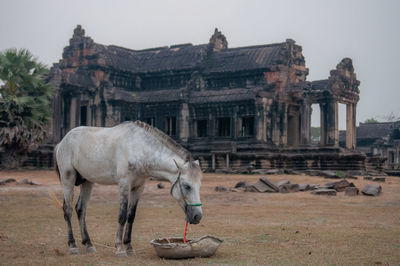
(24, 104)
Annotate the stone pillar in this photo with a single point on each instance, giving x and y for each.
(227, 160)
(350, 130)
(322, 124)
(98, 115)
(305, 118)
(354, 125)
(88, 115)
(260, 120)
(72, 114)
(184, 123)
(211, 126)
(283, 124)
(335, 126)
(213, 161)
(275, 122)
(236, 122)
(329, 124)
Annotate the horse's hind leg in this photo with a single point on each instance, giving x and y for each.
(68, 181)
(133, 201)
(122, 216)
(84, 197)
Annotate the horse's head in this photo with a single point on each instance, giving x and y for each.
(186, 190)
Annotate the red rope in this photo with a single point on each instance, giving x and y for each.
(184, 236)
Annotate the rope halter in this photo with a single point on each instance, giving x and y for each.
(178, 181)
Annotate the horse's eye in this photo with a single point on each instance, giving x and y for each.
(187, 187)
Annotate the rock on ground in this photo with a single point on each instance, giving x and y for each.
(220, 188)
(304, 187)
(351, 191)
(372, 190)
(283, 182)
(264, 185)
(5, 181)
(27, 182)
(242, 184)
(339, 186)
(289, 188)
(329, 192)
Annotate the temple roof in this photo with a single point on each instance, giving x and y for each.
(244, 58)
(189, 57)
(374, 130)
(174, 58)
(213, 57)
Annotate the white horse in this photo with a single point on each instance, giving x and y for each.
(126, 155)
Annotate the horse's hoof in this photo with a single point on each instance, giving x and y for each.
(121, 254)
(74, 251)
(130, 252)
(91, 249)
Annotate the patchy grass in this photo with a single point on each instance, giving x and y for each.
(257, 229)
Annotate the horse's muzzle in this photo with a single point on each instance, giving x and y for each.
(193, 216)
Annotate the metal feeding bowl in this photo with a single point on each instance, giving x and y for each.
(174, 248)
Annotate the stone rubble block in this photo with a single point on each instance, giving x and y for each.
(6, 181)
(242, 184)
(328, 192)
(379, 179)
(339, 186)
(264, 185)
(289, 188)
(283, 182)
(220, 189)
(351, 191)
(304, 187)
(372, 190)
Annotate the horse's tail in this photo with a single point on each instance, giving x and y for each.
(56, 202)
(53, 196)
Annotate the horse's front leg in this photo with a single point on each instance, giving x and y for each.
(123, 206)
(135, 194)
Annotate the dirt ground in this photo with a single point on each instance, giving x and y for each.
(257, 229)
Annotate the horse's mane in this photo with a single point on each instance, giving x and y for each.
(164, 139)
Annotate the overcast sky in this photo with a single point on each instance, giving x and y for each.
(366, 31)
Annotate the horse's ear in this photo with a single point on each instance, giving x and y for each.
(177, 165)
(197, 162)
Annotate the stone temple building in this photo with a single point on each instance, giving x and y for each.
(380, 141)
(237, 108)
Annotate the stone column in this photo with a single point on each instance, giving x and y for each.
(213, 161)
(184, 123)
(72, 114)
(354, 125)
(329, 124)
(283, 124)
(335, 126)
(260, 120)
(349, 126)
(98, 115)
(88, 115)
(305, 118)
(275, 123)
(322, 124)
(236, 122)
